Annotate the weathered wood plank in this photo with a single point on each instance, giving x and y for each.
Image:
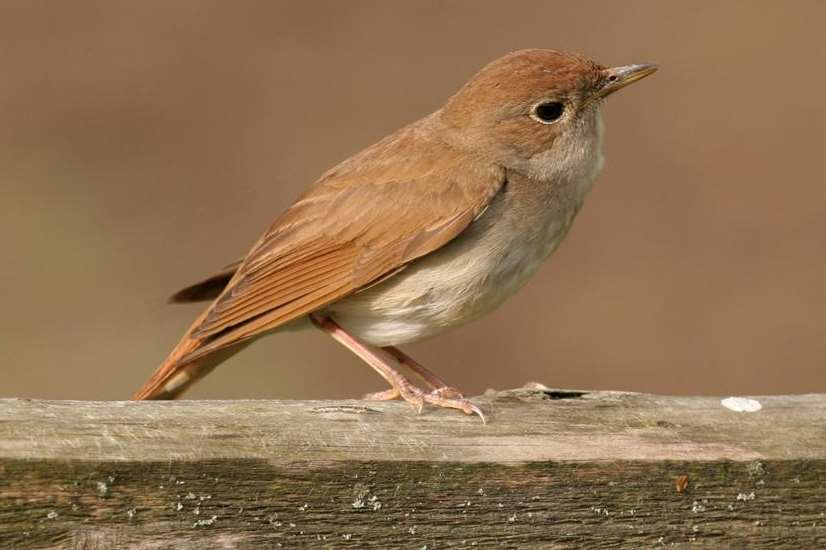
(551, 469)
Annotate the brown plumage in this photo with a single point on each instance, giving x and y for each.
(364, 224)
(309, 258)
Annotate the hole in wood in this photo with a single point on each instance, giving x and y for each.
(562, 394)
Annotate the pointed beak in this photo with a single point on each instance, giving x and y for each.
(619, 77)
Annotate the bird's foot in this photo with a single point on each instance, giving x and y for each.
(445, 396)
(451, 398)
(448, 392)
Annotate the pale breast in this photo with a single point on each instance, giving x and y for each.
(475, 272)
(459, 282)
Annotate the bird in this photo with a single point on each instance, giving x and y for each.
(427, 229)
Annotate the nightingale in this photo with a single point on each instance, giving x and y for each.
(427, 229)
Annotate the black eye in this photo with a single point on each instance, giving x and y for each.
(548, 112)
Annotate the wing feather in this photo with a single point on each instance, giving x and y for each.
(363, 221)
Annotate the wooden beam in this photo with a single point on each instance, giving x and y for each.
(551, 468)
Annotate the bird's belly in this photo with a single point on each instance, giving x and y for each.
(453, 285)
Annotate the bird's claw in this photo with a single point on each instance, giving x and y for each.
(445, 397)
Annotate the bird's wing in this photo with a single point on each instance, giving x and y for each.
(367, 218)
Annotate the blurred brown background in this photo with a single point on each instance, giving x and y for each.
(145, 144)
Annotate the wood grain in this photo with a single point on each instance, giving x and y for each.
(553, 468)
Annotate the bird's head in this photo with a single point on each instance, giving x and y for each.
(535, 110)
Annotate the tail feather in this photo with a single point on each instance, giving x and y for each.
(172, 378)
(175, 376)
(208, 289)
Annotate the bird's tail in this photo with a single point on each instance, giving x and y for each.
(176, 374)
(173, 377)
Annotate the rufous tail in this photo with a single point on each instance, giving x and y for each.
(173, 377)
(176, 374)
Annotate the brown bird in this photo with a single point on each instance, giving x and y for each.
(427, 229)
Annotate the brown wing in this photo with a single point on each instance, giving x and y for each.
(345, 233)
(370, 216)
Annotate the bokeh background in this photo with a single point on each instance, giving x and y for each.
(143, 145)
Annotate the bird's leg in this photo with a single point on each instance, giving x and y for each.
(400, 384)
(396, 380)
(384, 395)
(439, 386)
(424, 373)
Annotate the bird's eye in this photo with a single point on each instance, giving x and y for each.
(548, 112)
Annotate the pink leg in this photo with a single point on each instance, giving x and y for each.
(385, 395)
(439, 386)
(426, 374)
(400, 385)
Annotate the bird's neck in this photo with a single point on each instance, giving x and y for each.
(576, 158)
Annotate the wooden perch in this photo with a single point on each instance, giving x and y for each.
(551, 468)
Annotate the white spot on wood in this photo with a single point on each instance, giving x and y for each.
(741, 404)
(205, 522)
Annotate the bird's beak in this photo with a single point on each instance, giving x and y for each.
(620, 77)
